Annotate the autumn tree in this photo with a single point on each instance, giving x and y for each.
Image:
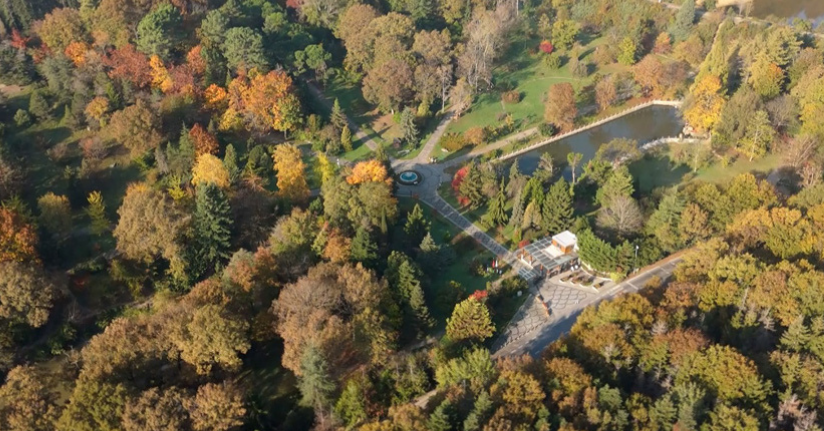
(55, 214)
(61, 27)
(136, 127)
(368, 171)
(389, 85)
(27, 401)
(766, 77)
(209, 169)
(156, 410)
(622, 215)
(97, 110)
(217, 407)
(26, 294)
(649, 73)
(606, 92)
(18, 239)
(128, 64)
(211, 337)
(269, 100)
(560, 106)
(290, 171)
(203, 141)
(704, 105)
(470, 321)
(149, 225)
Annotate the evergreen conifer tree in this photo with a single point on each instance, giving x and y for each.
(441, 419)
(337, 118)
(213, 227)
(404, 279)
(517, 210)
(429, 257)
(97, 213)
(480, 412)
(230, 161)
(471, 187)
(557, 209)
(39, 106)
(409, 130)
(363, 249)
(416, 225)
(346, 138)
(684, 20)
(618, 184)
(315, 383)
(496, 214)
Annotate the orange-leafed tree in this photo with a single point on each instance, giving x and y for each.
(209, 169)
(18, 40)
(18, 238)
(369, 171)
(128, 64)
(202, 140)
(76, 51)
(270, 102)
(216, 98)
(291, 173)
(195, 61)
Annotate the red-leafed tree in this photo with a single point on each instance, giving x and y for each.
(129, 64)
(456, 185)
(202, 140)
(546, 47)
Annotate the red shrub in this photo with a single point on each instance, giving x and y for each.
(456, 184)
(546, 47)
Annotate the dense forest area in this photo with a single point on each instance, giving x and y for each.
(201, 227)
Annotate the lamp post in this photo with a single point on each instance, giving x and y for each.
(636, 256)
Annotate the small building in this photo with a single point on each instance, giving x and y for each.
(549, 256)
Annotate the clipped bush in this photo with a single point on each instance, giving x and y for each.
(511, 96)
(475, 136)
(453, 142)
(547, 129)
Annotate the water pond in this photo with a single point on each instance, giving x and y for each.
(643, 126)
(812, 10)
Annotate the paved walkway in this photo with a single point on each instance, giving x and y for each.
(356, 130)
(426, 151)
(532, 338)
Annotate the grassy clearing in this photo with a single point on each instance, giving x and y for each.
(723, 174)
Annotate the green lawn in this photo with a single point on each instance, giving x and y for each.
(723, 174)
(467, 252)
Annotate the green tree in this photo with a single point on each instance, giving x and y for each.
(338, 118)
(231, 163)
(213, 227)
(93, 405)
(346, 138)
(39, 106)
(618, 184)
(684, 21)
(596, 252)
(22, 118)
(409, 131)
(160, 31)
(315, 382)
(404, 278)
(351, 407)
(628, 51)
(55, 214)
(315, 58)
(244, 49)
(442, 418)
(564, 32)
(758, 137)
(480, 412)
(470, 321)
(471, 187)
(96, 211)
(557, 210)
(363, 249)
(496, 213)
(417, 226)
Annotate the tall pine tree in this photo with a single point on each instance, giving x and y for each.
(557, 210)
(416, 225)
(471, 187)
(363, 249)
(404, 278)
(213, 228)
(337, 118)
(496, 214)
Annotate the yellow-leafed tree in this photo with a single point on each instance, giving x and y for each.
(290, 172)
(370, 171)
(210, 169)
(705, 104)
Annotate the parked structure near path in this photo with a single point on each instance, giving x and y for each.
(549, 256)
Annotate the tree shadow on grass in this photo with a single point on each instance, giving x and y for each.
(651, 172)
